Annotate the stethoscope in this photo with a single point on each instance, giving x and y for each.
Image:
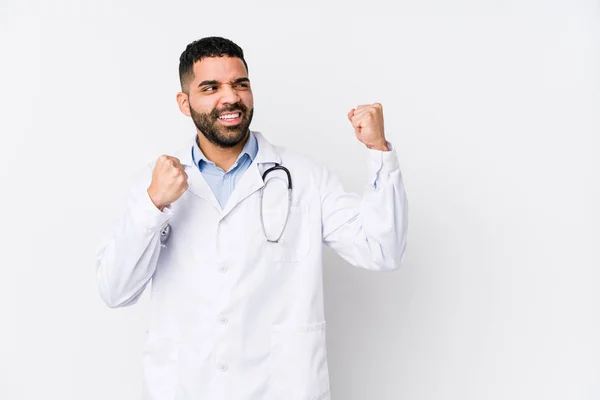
(289, 185)
(166, 231)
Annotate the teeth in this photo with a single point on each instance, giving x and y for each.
(229, 116)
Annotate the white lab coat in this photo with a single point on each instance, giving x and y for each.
(233, 316)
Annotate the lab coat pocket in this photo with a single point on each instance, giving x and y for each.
(298, 363)
(294, 244)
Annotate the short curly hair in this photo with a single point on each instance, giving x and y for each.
(212, 46)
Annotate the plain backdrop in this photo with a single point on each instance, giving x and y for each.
(493, 107)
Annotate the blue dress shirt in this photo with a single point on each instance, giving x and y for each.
(223, 182)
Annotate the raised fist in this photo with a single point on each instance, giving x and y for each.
(169, 181)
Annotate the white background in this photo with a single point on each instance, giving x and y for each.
(494, 109)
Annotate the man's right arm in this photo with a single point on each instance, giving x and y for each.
(126, 261)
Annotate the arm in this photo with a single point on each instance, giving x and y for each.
(368, 231)
(127, 259)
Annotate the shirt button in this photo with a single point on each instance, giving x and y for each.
(223, 269)
(223, 320)
(223, 367)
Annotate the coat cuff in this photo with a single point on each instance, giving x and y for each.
(145, 213)
(381, 163)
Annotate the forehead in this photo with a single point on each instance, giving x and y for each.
(222, 69)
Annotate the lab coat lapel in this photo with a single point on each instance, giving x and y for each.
(196, 182)
(198, 186)
(252, 181)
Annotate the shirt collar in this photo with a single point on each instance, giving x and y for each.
(250, 148)
(266, 151)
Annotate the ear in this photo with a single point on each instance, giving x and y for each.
(183, 102)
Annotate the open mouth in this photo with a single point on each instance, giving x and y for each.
(230, 118)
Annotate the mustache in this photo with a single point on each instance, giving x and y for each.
(232, 107)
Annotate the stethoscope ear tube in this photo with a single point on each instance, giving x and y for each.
(282, 168)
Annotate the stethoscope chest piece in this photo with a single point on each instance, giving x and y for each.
(165, 233)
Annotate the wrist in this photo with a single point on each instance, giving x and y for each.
(155, 201)
(381, 146)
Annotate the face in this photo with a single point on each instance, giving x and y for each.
(220, 100)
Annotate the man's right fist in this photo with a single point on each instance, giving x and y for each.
(169, 181)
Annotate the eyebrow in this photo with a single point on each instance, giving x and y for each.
(213, 82)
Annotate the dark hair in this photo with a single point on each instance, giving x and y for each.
(212, 46)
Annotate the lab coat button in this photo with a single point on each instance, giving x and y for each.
(223, 320)
(223, 269)
(223, 367)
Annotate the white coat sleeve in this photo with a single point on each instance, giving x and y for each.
(126, 260)
(368, 231)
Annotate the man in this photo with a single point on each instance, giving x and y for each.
(236, 264)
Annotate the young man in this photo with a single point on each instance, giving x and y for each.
(234, 254)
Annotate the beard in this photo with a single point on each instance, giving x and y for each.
(221, 135)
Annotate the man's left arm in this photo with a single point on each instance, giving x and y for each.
(369, 231)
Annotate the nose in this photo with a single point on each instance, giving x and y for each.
(230, 95)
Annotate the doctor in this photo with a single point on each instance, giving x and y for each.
(236, 264)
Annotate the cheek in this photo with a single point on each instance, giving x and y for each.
(201, 105)
(247, 99)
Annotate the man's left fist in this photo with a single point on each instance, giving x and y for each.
(367, 121)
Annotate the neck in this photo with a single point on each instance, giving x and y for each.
(223, 158)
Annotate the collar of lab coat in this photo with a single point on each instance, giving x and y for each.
(249, 183)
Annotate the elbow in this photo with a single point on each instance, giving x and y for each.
(387, 261)
(385, 252)
(113, 300)
(110, 297)
(113, 294)
(396, 255)
(390, 267)
(387, 266)
(399, 257)
(105, 288)
(110, 302)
